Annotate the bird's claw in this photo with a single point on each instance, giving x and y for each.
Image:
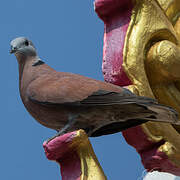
(65, 129)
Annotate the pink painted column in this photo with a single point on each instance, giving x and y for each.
(59, 150)
(116, 15)
(75, 155)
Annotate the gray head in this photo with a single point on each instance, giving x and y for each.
(23, 46)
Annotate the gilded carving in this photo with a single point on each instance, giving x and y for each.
(152, 62)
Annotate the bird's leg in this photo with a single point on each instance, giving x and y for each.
(68, 126)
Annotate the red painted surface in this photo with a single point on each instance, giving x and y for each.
(151, 158)
(116, 15)
(107, 8)
(59, 150)
(156, 160)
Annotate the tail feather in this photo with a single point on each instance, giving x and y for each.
(163, 114)
(136, 113)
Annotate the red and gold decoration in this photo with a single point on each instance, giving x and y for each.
(141, 51)
(75, 155)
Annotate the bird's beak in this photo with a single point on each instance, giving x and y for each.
(13, 50)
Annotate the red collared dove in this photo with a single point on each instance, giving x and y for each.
(67, 102)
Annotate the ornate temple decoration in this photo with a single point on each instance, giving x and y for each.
(141, 51)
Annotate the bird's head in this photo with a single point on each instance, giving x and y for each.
(21, 46)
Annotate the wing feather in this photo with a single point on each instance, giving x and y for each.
(77, 90)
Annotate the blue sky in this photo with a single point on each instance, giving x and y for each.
(69, 37)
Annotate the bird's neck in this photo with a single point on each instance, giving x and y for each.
(26, 64)
(30, 69)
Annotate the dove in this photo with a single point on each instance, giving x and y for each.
(67, 102)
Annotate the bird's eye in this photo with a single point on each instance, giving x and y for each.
(26, 43)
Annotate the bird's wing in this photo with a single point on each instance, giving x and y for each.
(78, 90)
(102, 97)
(81, 91)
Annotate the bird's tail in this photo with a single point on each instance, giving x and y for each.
(135, 110)
(162, 113)
(157, 112)
(140, 110)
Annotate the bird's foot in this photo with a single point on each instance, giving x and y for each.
(65, 129)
